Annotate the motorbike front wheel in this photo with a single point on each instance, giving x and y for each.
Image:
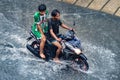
(82, 64)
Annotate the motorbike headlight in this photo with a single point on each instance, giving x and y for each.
(77, 51)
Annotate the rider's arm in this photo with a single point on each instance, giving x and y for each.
(39, 29)
(51, 30)
(65, 26)
(53, 34)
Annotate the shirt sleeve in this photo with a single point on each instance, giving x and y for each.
(60, 22)
(49, 24)
(47, 13)
(36, 18)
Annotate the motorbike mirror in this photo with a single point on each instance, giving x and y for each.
(73, 23)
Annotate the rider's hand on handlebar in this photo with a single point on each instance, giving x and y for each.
(72, 29)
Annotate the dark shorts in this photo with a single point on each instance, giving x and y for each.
(52, 40)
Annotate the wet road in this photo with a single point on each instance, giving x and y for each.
(99, 34)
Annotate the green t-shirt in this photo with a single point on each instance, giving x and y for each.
(37, 19)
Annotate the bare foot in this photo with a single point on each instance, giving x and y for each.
(42, 55)
(56, 60)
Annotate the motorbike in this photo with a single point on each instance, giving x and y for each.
(71, 49)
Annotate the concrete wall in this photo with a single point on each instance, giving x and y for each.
(108, 6)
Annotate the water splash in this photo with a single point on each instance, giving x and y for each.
(100, 59)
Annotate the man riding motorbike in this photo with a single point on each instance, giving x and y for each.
(54, 24)
(40, 27)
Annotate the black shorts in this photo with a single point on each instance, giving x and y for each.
(52, 39)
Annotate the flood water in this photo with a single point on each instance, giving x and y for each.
(99, 34)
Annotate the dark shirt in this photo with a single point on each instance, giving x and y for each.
(54, 24)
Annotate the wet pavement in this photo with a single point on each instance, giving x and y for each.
(98, 32)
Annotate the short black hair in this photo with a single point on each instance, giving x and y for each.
(42, 7)
(54, 12)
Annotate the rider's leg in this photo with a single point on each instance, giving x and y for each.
(59, 47)
(42, 44)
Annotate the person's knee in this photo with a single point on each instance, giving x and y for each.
(60, 47)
